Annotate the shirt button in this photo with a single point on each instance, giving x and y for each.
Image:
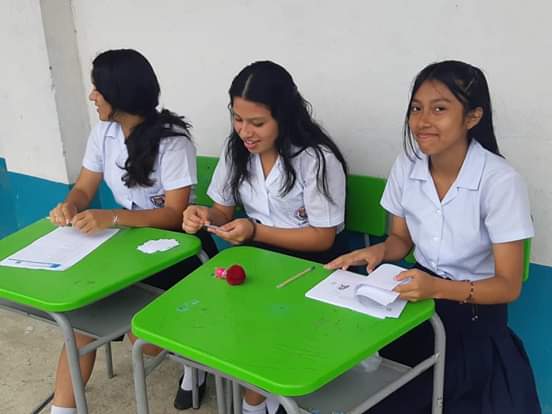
(436, 238)
(432, 264)
(438, 211)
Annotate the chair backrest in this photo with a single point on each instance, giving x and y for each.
(363, 212)
(205, 168)
(526, 258)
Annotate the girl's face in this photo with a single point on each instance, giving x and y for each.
(103, 107)
(255, 125)
(437, 119)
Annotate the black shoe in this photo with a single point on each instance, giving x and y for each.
(183, 399)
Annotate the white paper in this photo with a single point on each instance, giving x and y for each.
(160, 245)
(371, 295)
(57, 250)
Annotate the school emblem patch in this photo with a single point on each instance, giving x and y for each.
(158, 200)
(301, 215)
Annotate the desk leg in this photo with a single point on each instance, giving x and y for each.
(139, 377)
(73, 358)
(439, 367)
(236, 397)
(221, 398)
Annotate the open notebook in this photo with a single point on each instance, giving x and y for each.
(372, 295)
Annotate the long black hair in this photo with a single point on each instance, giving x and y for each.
(127, 81)
(269, 84)
(468, 84)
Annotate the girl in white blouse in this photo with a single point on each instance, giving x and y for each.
(465, 210)
(284, 170)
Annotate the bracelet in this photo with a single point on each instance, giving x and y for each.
(252, 236)
(115, 220)
(470, 294)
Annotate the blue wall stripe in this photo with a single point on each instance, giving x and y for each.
(25, 199)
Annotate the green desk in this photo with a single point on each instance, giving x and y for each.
(276, 340)
(97, 286)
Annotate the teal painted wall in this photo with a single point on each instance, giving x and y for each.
(24, 199)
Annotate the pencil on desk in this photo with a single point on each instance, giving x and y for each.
(294, 277)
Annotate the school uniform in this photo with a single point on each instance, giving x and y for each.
(304, 205)
(486, 369)
(174, 168)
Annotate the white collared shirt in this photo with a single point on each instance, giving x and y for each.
(304, 205)
(487, 204)
(175, 166)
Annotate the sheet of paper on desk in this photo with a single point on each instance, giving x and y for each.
(57, 250)
(371, 295)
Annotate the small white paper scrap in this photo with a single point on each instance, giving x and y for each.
(161, 245)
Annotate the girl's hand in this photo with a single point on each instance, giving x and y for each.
(417, 285)
(370, 256)
(62, 214)
(194, 218)
(236, 232)
(91, 221)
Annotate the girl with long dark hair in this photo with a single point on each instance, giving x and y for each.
(285, 171)
(147, 159)
(465, 210)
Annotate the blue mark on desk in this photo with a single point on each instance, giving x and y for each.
(185, 307)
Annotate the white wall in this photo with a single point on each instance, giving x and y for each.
(30, 136)
(354, 60)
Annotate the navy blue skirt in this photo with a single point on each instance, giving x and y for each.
(487, 370)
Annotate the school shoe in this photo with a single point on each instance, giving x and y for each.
(183, 399)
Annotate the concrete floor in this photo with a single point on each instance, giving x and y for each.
(29, 351)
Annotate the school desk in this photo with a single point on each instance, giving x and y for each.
(95, 295)
(276, 340)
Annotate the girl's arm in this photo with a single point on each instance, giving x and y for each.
(78, 198)
(307, 239)
(396, 247)
(503, 287)
(167, 217)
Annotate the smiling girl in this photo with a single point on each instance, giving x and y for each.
(464, 209)
(284, 170)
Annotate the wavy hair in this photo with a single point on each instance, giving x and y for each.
(127, 81)
(269, 84)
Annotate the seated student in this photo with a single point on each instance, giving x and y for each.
(465, 210)
(147, 159)
(284, 170)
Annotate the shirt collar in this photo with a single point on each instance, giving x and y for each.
(113, 130)
(470, 174)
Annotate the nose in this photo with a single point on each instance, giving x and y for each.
(423, 119)
(92, 95)
(246, 131)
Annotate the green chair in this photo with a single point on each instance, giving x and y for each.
(363, 212)
(205, 168)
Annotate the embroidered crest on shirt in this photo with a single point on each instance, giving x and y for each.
(158, 200)
(301, 215)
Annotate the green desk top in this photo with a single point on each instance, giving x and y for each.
(113, 266)
(276, 339)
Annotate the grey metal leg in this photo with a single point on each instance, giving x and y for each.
(139, 377)
(203, 256)
(236, 397)
(221, 399)
(439, 368)
(228, 395)
(195, 390)
(73, 359)
(109, 360)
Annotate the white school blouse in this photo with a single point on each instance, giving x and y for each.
(487, 204)
(175, 166)
(304, 205)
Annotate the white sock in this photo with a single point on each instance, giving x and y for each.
(253, 409)
(62, 410)
(187, 381)
(272, 404)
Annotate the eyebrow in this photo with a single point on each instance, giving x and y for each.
(255, 118)
(434, 100)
